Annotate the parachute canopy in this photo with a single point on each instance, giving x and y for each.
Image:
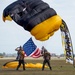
(35, 16)
(14, 63)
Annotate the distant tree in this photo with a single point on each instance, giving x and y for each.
(53, 55)
(4, 53)
(62, 55)
(1, 54)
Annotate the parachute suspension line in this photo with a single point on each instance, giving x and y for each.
(67, 43)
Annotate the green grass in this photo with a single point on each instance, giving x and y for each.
(59, 67)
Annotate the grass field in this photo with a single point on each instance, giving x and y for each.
(59, 67)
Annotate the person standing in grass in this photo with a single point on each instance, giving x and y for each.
(20, 58)
(46, 56)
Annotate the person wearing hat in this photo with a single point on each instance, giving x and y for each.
(20, 57)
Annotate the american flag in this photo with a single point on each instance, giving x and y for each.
(31, 49)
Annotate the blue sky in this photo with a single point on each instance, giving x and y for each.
(12, 35)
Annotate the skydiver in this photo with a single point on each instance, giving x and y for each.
(46, 55)
(20, 58)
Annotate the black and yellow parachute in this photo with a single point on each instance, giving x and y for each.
(35, 16)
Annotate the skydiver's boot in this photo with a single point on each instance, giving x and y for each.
(43, 68)
(24, 67)
(50, 68)
(17, 67)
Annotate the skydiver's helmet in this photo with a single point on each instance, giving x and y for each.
(42, 47)
(43, 50)
(20, 48)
